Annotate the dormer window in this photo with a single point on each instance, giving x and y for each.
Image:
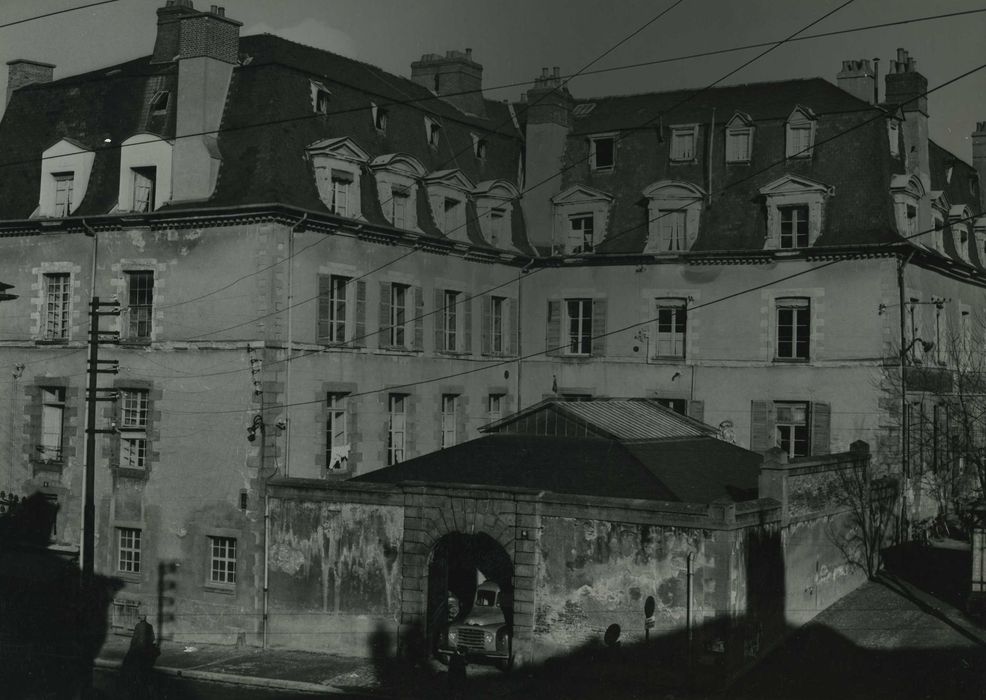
(602, 152)
(433, 132)
(959, 217)
(64, 184)
(338, 166)
(581, 214)
(159, 103)
(893, 136)
(795, 212)
(399, 198)
(479, 145)
(448, 193)
(379, 115)
(739, 138)
(494, 199)
(143, 190)
(683, 143)
(452, 218)
(800, 133)
(498, 227)
(674, 209)
(320, 98)
(396, 177)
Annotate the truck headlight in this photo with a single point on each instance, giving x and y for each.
(489, 638)
(451, 635)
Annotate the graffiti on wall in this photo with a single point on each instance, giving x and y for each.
(336, 557)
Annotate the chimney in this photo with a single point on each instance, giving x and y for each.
(208, 50)
(549, 120)
(168, 23)
(907, 88)
(979, 160)
(21, 72)
(455, 77)
(858, 78)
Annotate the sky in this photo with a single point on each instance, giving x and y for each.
(514, 39)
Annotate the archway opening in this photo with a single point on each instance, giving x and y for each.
(457, 565)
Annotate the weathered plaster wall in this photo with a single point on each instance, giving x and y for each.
(335, 574)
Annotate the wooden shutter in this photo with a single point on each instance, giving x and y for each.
(410, 427)
(691, 225)
(598, 327)
(553, 338)
(439, 317)
(383, 339)
(322, 319)
(485, 332)
(419, 321)
(696, 410)
(762, 436)
(466, 310)
(352, 430)
(821, 428)
(360, 333)
(461, 414)
(513, 321)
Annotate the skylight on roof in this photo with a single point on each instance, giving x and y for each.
(159, 103)
(582, 110)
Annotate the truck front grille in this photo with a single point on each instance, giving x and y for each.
(471, 637)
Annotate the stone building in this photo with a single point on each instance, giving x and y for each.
(338, 263)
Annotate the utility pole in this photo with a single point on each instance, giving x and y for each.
(93, 370)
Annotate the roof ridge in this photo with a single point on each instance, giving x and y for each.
(704, 89)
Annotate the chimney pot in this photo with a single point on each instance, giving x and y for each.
(901, 56)
(469, 54)
(222, 11)
(554, 72)
(544, 72)
(214, 9)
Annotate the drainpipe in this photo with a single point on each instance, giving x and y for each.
(712, 140)
(904, 428)
(86, 542)
(688, 605)
(265, 620)
(520, 350)
(290, 345)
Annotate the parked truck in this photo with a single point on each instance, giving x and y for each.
(482, 635)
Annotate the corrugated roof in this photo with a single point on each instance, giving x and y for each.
(635, 419)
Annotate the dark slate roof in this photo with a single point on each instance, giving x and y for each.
(961, 187)
(694, 470)
(266, 126)
(857, 162)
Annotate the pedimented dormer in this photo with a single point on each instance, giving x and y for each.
(338, 166)
(739, 138)
(494, 208)
(909, 194)
(960, 220)
(145, 173)
(674, 209)
(800, 133)
(65, 169)
(795, 211)
(397, 176)
(448, 194)
(581, 216)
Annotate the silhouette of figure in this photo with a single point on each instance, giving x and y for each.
(137, 664)
(457, 677)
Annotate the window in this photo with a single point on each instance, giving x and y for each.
(498, 220)
(739, 144)
(494, 407)
(321, 101)
(496, 325)
(451, 214)
(676, 405)
(800, 133)
(450, 404)
(222, 560)
(399, 198)
(893, 134)
(911, 221)
(57, 290)
(397, 428)
(340, 188)
(133, 428)
(128, 550)
(683, 140)
(333, 308)
(602, 152)
(961, 240)
(398, 315)
(380, 116)
(144, 183)
(159, 103)
(450, 321)
(433, 131)
(579, 322)
(336, 432)
(479, 147)
(671, 229)
(669, 340)
(581, 234)
(792, 428)
(64, 183)
(52, 423)
(793, 329)
(794, 227)
(140, 294)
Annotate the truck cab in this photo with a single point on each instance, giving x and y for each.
(481, 635)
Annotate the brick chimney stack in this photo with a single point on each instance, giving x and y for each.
(168, 40)
(858, 78)
(454, 77)
(979, 159)
(907, 88)
(549, 120)
(21, 72)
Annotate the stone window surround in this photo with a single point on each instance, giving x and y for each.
(401, 171)
(739, 123)
(450, 184)
(64, 156)
(76, 307)
(790, 191)
(579, 200)
(70, 422)
(768, 323)
(144, 150)
(960, 221)
(352, 429)
(119, 283)
(463, 300)
(800, 116)
(648, 309)
(681, 129)
(232, 533)
(492, 195)
(341, 154)
(111, 416)
(908, 190)
(672, 195)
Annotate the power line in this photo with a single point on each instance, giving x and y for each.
(56, 12)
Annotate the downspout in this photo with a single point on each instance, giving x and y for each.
(89, 232)
(904, 428)
(688, 602)
(712, 140)
(266, 618)
(290, 345)
(520, 350)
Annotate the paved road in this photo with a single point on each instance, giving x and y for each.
(171, 688)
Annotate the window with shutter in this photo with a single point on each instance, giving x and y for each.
(397, 432)
(450, 403)
(553, 327)
(669, 329)
(143, 191)
(792, 428)
(821, 428)
(578, 326)
(762, 436)
(57, 297)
